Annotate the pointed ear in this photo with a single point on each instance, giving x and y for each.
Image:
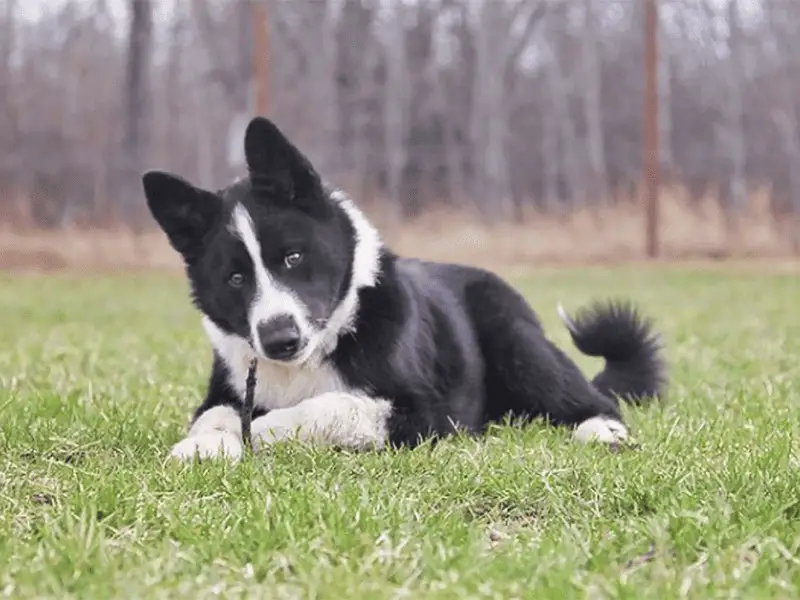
(184, 212)
(275, 164)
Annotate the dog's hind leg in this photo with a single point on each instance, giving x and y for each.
(528, 376)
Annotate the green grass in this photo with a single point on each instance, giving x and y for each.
(98, 378)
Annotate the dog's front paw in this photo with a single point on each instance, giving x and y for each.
(273, 427)
(208, 445)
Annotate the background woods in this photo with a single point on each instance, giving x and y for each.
(494, 107)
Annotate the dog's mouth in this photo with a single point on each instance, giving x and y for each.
(286, 352)
(287, 355)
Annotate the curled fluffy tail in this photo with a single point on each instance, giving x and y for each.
(635, 368)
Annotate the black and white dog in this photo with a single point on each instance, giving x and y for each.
(357, 347)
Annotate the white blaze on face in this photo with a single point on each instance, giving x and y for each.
(271, 299)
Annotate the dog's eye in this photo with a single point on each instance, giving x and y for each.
(292, 259)
(236, 280)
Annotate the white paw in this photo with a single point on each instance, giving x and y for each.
(601, 429)
(275, 426)
(208, 445)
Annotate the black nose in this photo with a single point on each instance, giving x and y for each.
(279, 337)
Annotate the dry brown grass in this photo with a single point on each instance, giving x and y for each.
(607, 236)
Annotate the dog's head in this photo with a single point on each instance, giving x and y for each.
(274, 260)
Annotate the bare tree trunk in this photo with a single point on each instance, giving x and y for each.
(551, 156)
(167, 120)
(330, 99)
(731, 130)
(322, 50)
(242, 96)
(480, 114)
(453, 162)
(665, 105)
(9, 125)
(136, 95)
(593, 110)
(496, 53)
(7, 45)
(396, 99)
(786, 177)
(786, 122)
(568, 136)
(233, 76)
(366, 93)
(205, 157)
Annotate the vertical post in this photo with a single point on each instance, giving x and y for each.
(651, 159)
(261, 56)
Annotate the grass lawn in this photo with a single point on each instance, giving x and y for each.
(98, 377)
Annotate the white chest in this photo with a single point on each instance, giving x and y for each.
(282, 387)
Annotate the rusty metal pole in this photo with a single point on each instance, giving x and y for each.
(261, 55)
(651, 158)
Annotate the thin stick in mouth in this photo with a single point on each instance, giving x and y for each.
(246, 414)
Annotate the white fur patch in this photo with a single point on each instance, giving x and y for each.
(217, 432)
(366, 266)
(601, 429)
(271, 298)
(337, 418)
